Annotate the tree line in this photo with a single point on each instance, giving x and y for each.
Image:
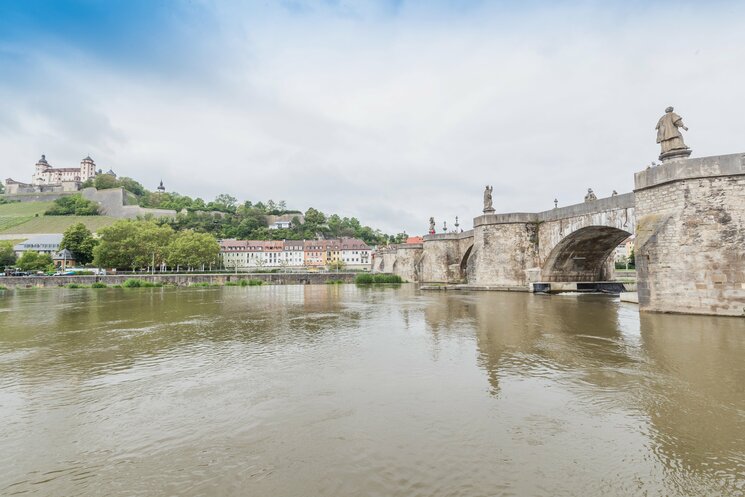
(142, 244)
(225, 217)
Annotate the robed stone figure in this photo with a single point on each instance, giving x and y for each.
(488, 199)
(669, 136)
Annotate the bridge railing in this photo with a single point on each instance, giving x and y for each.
(623, 201)
(449, 236)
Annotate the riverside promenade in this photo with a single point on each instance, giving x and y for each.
(177, 279)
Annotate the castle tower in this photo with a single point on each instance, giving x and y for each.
(87, 168)
(41, 168)
(161, 188)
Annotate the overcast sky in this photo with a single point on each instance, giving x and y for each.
(390, 111)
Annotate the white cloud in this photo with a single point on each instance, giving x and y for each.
(392, 118)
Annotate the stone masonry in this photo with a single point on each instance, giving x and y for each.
(690, 245)
(689, 220)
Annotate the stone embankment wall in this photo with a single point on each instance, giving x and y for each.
(113, 202)
(177, 279)
(690, 244)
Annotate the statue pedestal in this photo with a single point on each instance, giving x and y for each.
(678, 153)
(489, 211)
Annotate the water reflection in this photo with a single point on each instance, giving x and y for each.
(695, 397)
(679, 378)
(339, 390)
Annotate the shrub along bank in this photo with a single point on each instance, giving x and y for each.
(371, 279)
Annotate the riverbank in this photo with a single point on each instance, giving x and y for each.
(182, 280)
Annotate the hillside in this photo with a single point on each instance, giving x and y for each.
(29, 218)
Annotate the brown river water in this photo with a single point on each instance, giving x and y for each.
(337, 390)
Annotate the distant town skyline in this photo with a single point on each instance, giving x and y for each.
(390, 112)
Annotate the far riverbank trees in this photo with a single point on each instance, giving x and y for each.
(130, 244)
(226, 217)
(80, 241)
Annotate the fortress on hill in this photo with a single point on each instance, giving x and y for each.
(50, 183)
(48, 179)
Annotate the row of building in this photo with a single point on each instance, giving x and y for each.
(244, 254)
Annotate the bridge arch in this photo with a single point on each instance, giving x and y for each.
(464, 263)
(582, 254)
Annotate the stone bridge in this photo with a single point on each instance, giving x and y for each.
(688, 216)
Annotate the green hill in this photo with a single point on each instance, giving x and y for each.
(28, 217)
(24, 208)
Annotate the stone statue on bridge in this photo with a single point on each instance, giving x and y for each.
(431, 226)
(590, 195)
(669, 136)
(488, 208)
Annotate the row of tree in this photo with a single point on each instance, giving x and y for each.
(29, 260)
(139, 244)
(225, 217)
(249, 223)
(127, 244)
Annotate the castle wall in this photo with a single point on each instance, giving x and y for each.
(112, 203)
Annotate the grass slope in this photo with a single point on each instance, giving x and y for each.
(7, 222)
(56, 224)
(28, 217)
(24, 209)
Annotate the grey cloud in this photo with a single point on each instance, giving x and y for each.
(394, 121)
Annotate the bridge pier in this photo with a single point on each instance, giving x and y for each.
(403, 260)
(690, 243)
(445, 256)
(504, 250)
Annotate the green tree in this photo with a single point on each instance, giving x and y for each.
(132, 244)
(2, 187)
(192, 250)
(314, 217)
(7, 255)
(399, 238)
(104, 181)
(632, 259)
(337, 265)
(79, 240)
(131, 186)
(73, 205)
(34, 261)
(225, 203)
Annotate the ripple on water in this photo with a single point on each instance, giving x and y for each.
(316, 391)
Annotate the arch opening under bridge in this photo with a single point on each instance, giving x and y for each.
(583, 255)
